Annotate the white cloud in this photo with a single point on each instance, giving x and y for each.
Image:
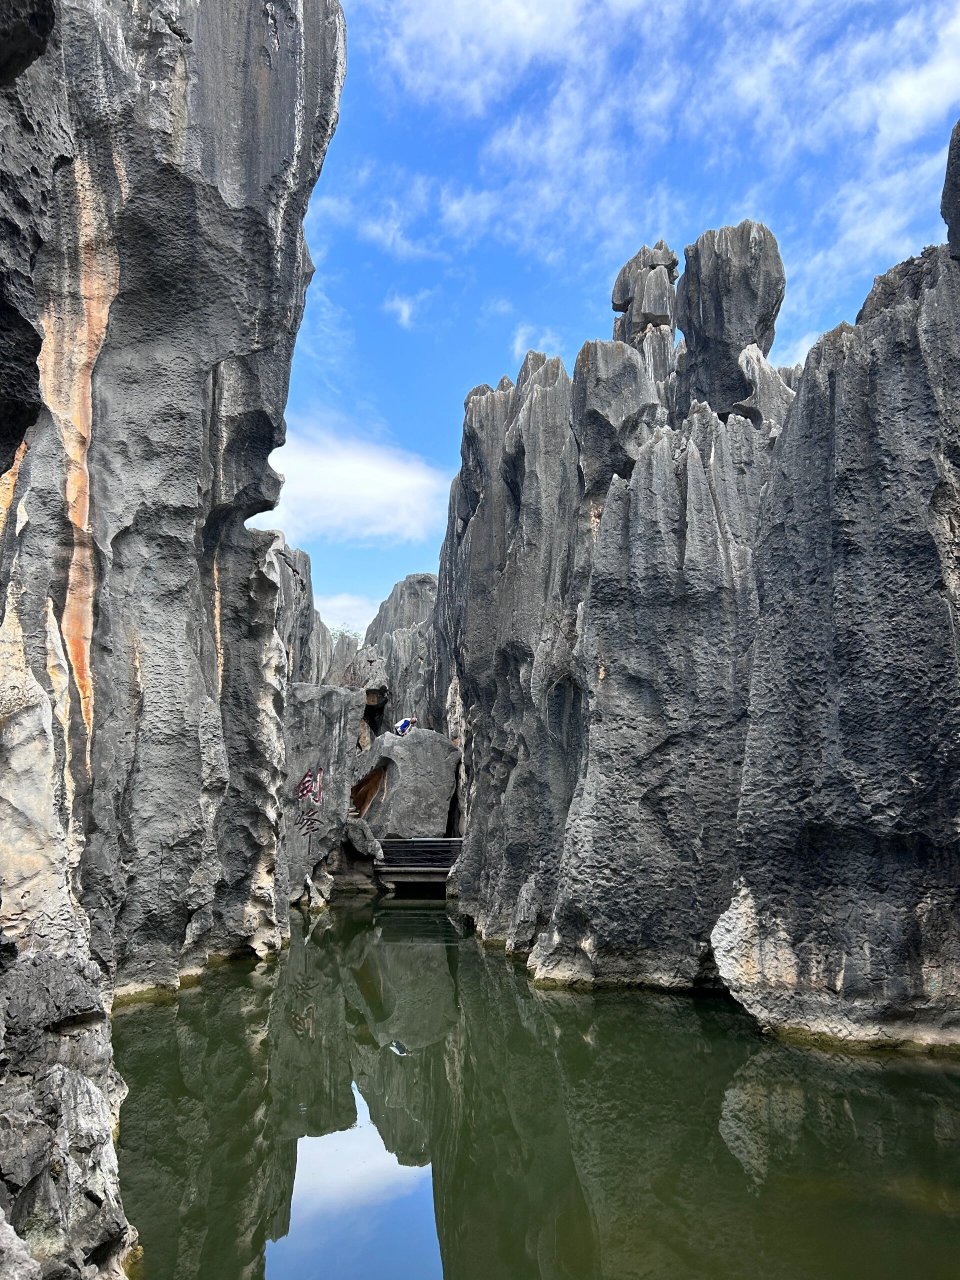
(497, 307)
(402, 307)
(595, 125)
(344, 487)
(529, 338)
(390, 232)
(468, 214)
(353, 613)
(348, 1171)
(471, 54)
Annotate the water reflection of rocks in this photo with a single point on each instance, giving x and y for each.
(589, 1138)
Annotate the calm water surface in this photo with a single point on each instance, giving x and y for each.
(389, 1102)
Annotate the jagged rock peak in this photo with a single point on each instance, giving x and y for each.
(411, 602)
(728, 298)
(646, 260)
(950, 204)
(643, 293)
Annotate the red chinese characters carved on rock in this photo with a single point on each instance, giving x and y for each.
(309, 800)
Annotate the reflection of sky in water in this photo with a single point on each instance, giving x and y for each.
(357, 1213)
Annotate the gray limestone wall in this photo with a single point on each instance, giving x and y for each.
(156, 163)
(845, 919)
(696, 621)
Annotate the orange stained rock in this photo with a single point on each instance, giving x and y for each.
(75, 327)
(8, 485)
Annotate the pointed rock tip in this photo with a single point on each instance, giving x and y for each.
(950, 203)
(484, 389)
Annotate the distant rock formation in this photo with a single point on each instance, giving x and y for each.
(728, 298)
(696, 623)
(598, 554)
(405, 787)
(409, 604)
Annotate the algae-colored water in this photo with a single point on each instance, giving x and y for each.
(390, 1101)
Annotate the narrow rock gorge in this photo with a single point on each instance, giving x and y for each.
(686, 683)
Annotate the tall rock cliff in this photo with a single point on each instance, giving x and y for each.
(597, 599)
(504, 628)
(155, 164)
(142, 660)
(846, 919)
(698, 619)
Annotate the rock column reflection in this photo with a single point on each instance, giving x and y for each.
(601, 1137)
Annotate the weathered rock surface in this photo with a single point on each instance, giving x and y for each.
(648, 855)
(397, 663)
(342, 655)
(846, 919)
(697, 616)
(950, 204)
(410, 603)
(148, 453)
(727, 299)
(321, 724)
(155, 164)
(15, 1260)
(405, 787)
(596, 603)
(505, 629)
(35, 134)
(59, 1107)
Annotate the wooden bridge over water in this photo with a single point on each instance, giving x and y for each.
(416, 863)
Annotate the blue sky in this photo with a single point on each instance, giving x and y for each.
(356, 1212)
(497, 161)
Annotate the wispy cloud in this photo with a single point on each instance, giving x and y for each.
(496, 307)
(344, 486)
(352, 612)
(403, 307)
(787, 354)
(471, 55)
(528, 337)
(599, 118)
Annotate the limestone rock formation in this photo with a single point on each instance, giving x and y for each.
(155, 167)
(168, 270)
(405, 787)
(397, 663)
(505, 629)
(697, 617)
(342, 655)
(59, 1107)
(409, 604)
(648, 854)
(950, 204)
(727, 299)
(596, 603)
(845, 920)
(321, 724)
(15, 1260)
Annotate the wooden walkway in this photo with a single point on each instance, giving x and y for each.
(416, 862)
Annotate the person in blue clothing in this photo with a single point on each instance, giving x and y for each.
(403, 727)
